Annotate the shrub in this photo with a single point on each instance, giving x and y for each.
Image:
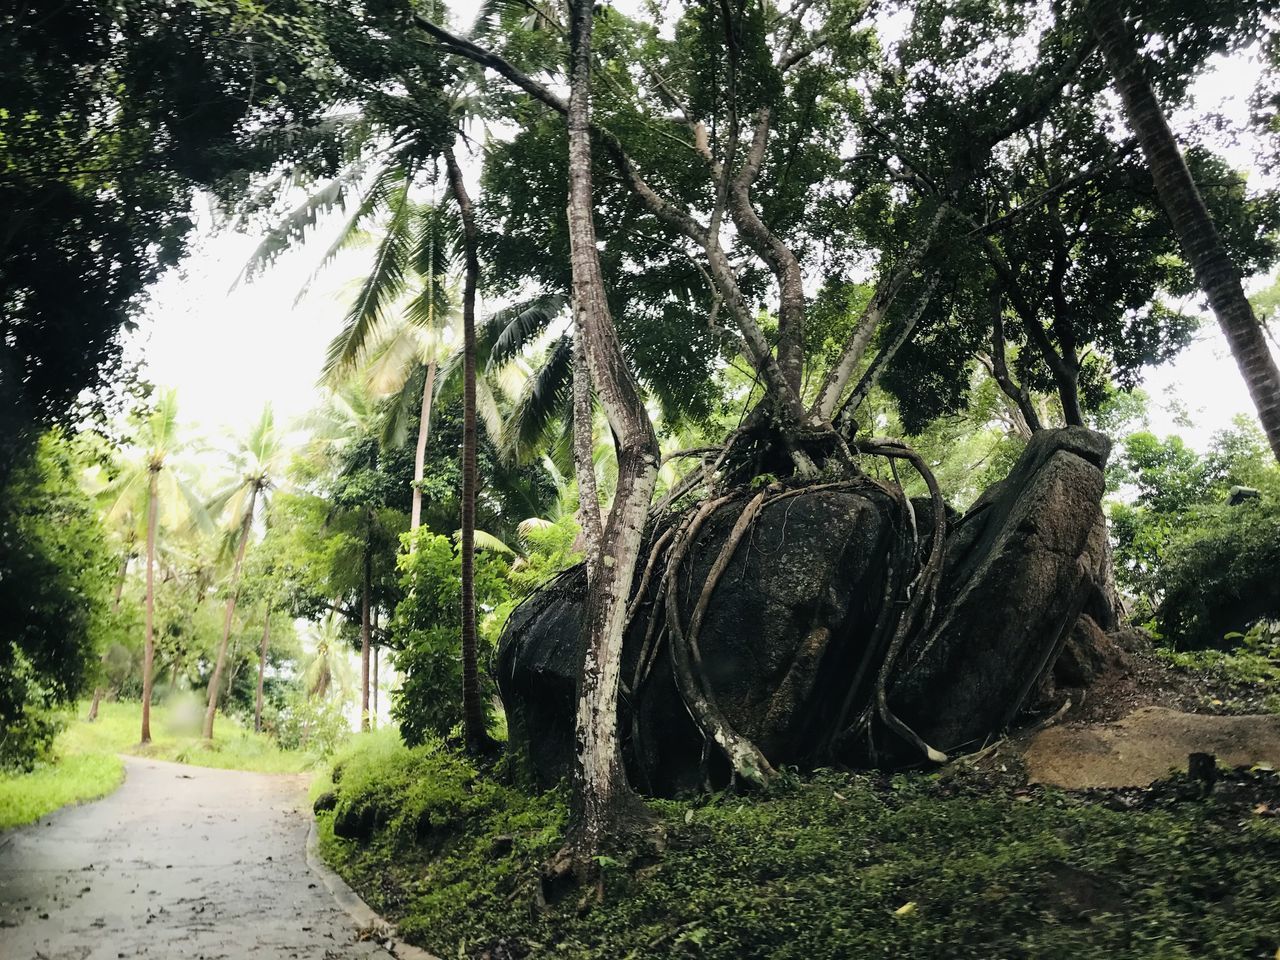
(1220, 575)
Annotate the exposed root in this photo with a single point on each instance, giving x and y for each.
(905, 612)
(920, 607)
(745, 759)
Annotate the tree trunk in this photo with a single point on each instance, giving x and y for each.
(374, 685)
(420, 451)
(262, 670)
(149, 647)
(474, 733)
(93, 707)
(602, 799)
(888, 350)
(1196, 232)
(215, 681)
(584, 456)
(364, 640)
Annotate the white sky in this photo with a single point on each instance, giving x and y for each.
(230, 352)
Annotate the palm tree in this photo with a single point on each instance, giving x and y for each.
(328, 669)
(396, 325)
(1195, 228)
(149, 485)
(346, 430)
(257, 459)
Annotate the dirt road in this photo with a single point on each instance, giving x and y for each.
(181, 861)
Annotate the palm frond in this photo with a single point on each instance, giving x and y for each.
(400, 410)
(380, 195)
(487, 541)
(300, 221)
(385, 282)
(510, 330)
(546, 397)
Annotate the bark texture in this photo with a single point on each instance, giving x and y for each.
(262, 671)
(602, 797)
(365, 638)
(474, 733)
(1182, 201)
(420, 449)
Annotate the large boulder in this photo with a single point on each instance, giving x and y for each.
(789, 640)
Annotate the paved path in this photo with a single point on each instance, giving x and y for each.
(181, 861)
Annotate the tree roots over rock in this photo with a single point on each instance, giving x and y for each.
(828, 622)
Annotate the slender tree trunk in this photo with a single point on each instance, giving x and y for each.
(215, 681)
(475, 735)
(1026, 420)
(584, 456)
(173, 677)
(262, 670)
(374, 684)
(149, 647)
(888, 350)
(602, 798)
(1196, 232)
(420, 451)
(364, 640)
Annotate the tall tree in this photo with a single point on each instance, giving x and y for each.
(603, 799)
(1201, 243)
(475, 735)
(151, 485)
(258, 459)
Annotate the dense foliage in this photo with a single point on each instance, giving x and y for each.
(57, 577)
(836, 865)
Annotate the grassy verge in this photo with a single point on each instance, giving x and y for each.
(175, 736)
(832, 865)
(85, 767)
(25, 798)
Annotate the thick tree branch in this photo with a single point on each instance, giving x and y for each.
(838, 376)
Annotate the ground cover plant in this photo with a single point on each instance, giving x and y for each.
(955, 863)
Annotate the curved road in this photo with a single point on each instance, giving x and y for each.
(181, 861)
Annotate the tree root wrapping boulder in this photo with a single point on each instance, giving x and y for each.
(796, 616)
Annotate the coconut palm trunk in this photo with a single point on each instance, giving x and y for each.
(149, 645)
(603, 801)
(215, 681)
(420, 451)
(1199, 238)
(262, 670)
(365, 636)
(475, 735)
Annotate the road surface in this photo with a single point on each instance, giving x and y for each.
(181, 861)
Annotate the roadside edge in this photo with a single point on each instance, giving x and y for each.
(365, 917)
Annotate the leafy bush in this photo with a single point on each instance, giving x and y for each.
(1219, 575)
(56, 578)
(312, 724)
(427, 633)
(1256, 659)
(830, 865)
(1174, 508)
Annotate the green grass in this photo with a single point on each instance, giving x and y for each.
(830, 865)
(175, 736)
(27, 797)
(85, 767)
